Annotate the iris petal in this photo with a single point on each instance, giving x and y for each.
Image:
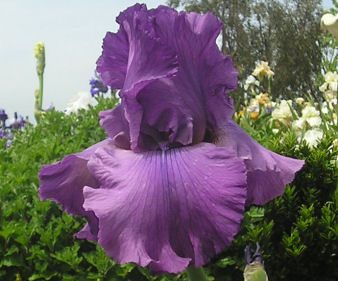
(176, 79)
(63, 183)
(205, 75)
(147, 60)
(113, 63)
(116, 126)
(268, 172)
(166, 209)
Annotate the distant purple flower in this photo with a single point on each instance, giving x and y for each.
(21, 121)
(50, 107)
(2, 133)
(8, 143)
(252, 255)
(269, 110)
(169, 185)
(96, 86)
(9, 137)
(254, 269)
(3, 115)
(18, 123)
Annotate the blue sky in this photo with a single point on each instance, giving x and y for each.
(72, 31)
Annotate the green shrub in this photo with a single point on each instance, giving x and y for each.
(298, 232)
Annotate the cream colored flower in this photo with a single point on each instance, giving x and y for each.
(299, 124)
(330, 95)
(313, 136)
(263, 69)
(311, 116)
(253, 106)
(299, 101)
(334, 120)
(263, 99)
(283, 112)
(250, 81)
(329, 106)
(253, 109)
(329, 87)
(332, 79)
(323, 87)
(329, 23)
(324, 109)
(271, 105)
(81, 100)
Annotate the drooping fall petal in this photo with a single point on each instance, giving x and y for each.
(268, 172)
(63, 182)
(166, 209)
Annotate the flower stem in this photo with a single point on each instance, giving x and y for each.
(269, 86)
(41, 90)
(196, 274)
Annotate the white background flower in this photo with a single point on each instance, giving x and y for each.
(311, 116)
(283, 112)
(329, 87)
(251, 80)
(313, 136)
(81, 100)
(329, 22)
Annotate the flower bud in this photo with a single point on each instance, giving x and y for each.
(39, 53)
(254, 269)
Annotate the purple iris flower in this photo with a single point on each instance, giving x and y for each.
(21, 121)
(50, 107)
(2, 133)
(3, 115)
(97, 86)
(18, 123)
(9, 137)
(8, 143)
(252, 255)
(269, 110)
(168, 187)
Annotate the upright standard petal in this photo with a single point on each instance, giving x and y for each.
(268, 172)
(145, 59)
(63, 183)
(176, 80)
(166, 209)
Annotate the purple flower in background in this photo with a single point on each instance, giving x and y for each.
(8, 143)
(252, 255)
(97, 86)
(3, 115)
(21, 121)
(169, 185)
(50, 107)
(18, 123)
(254, 269)
(9, 137)
(2, 133)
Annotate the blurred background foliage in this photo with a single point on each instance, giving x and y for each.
(284, 33)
